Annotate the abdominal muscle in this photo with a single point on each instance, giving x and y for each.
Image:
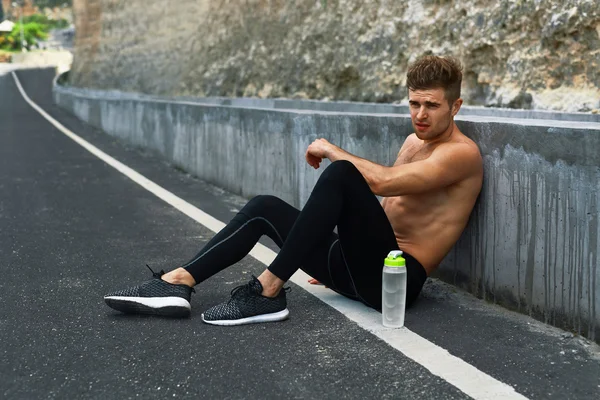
(426, 226)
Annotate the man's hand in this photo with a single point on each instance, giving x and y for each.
(313, 281)
(317, 151)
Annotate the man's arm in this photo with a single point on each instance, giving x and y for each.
(448, 164)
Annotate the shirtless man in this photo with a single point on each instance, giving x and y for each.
(428, 195)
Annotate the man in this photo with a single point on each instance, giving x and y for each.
(428, 195)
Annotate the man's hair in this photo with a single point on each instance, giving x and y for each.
(432, 72)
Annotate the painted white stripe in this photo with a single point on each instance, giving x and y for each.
(437, 360)
(155, 302)
(273, 317)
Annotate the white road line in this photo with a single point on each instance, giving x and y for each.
(437, 360)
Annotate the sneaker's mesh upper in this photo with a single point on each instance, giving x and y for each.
(155, 288)
(225, 311)
(246, 301)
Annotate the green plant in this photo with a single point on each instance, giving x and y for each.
(52, 3)
(45, 22)
(36, 18)
(32, 32)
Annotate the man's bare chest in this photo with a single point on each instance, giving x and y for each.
(413, 154)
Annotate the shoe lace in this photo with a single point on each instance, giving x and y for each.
(156, 275)
(236, 291)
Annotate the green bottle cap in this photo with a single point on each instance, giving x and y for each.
(395, 259)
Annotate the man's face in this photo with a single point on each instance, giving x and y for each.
(430, 112)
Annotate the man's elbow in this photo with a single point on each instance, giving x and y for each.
(375, 184)
(382, 187)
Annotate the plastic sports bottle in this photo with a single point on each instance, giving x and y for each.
(394, 290)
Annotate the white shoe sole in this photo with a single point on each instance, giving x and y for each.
(273, 317)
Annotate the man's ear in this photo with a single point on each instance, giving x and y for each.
(456, 106)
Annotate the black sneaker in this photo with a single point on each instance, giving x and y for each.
(155, 297)
(248, 306)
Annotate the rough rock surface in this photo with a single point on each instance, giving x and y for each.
(542, 54)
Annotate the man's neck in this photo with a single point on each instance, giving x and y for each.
(443, 137)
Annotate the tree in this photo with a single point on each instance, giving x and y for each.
(1, 12)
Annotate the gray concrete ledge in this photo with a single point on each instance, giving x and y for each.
(347, 106)
(531, 244)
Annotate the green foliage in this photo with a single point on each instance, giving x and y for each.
(32, 32)
(45, 22)
(52, 3)
(36, 27)
(36, 18)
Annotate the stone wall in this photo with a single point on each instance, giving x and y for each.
(541, 54)
(30, 7)
(14, 13)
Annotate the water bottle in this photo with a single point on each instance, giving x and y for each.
(393, 290)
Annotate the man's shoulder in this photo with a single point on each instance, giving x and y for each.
(461, 151)
(412, 138)
(463, 144)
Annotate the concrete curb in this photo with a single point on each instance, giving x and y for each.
(531, 244)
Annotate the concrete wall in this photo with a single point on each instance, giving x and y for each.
(531, 244)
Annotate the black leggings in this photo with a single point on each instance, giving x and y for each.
(349, 262)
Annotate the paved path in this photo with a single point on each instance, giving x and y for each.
(73, 228)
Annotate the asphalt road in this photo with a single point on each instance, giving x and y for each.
(72, 229)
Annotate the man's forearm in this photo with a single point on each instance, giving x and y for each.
(372, 172)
